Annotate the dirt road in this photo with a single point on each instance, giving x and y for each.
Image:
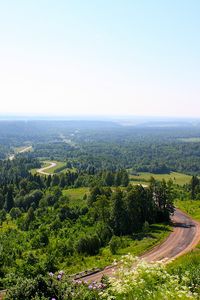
(29, 148)
(42, 170)
(184, 237)
(12, 156)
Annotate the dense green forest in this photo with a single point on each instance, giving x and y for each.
(41, 226)
(90, 212)
(93, 145)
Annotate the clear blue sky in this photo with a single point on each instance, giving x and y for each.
(102, 57)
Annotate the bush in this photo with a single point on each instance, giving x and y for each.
(188, 264)
(114, 244)
(89, 245)
(15, 213)
(54, 286)
(2, 216)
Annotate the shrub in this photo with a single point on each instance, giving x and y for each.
(15, 213)
(54, 286)
(89, 245)
(114, 244)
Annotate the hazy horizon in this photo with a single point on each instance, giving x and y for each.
(106, 118)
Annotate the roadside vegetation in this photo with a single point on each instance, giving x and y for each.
(191, 207)
(144, 281)
(189, 264)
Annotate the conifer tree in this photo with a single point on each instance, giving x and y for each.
(9, 202)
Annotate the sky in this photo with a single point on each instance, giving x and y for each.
(100, 57)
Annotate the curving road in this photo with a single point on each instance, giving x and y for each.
(42, 170)
(184, 237)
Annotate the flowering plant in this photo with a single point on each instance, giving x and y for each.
(139, 280)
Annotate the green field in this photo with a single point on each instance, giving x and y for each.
(144, 177)
(190, 140)
(76, 196)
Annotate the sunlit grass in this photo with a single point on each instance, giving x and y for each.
(192, 207)
(177, 178)
(76, 195)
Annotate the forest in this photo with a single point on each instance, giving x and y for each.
(93, 145)
(88, 213)
(47, 227)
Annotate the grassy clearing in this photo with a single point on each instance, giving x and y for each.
(144, 177)
(76, 196)
(133, 245)
(190, 140)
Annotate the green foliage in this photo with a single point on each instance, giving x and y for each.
(36, 240)
(9, 202)
(2, 216)
(88, 215)
(40, 240)
(28, 219)
(118, 213)
(194, 187)
(54, 286)
(143, 281)
(89, 245)
(192, 207)
(188, 265)
(50, 225)
(15, 213)
(114, 244)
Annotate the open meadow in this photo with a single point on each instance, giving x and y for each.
(177, 178)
